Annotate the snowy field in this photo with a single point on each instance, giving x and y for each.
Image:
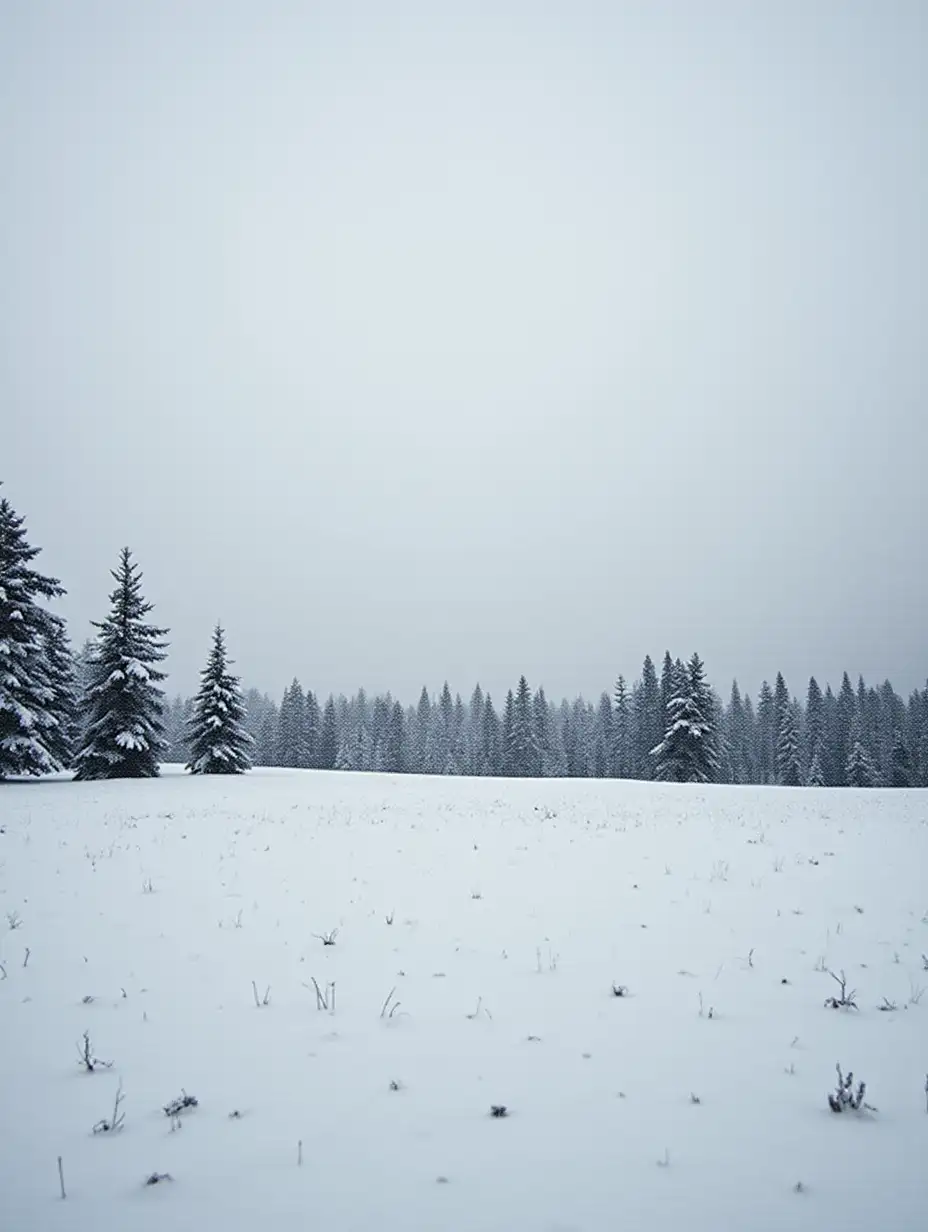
(502, 913)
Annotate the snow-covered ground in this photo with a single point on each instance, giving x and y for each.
(149, 908)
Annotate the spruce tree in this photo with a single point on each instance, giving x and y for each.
(788, 758)
(689, 751)
(524, 752)
(36, 669)
(395, 747)
(622, 755)
(123, 732)
(328, 736)
(860, 771)
(648, 722)
(491, 740)
(900, 764)
(219, 743)
(816, 776)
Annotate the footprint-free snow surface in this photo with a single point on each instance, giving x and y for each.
(484, 930)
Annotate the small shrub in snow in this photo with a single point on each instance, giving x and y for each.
(261, 1001)
(327, 938)
(498, 1110)
(846, 1098)
(916, 992)
(182, 1103)
(888, 1006)
(844, 1000)
(14, 920)
(619, 990)
(86, 1057)
(156, 1178)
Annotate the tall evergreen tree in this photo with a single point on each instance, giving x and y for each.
(424, 742)
(395, 749)
(524, 753)
(689, 751)
(860, 771)
(648, 720)
(622, 748)
(814, 724)
(36, 670)
(845, 722)
(328, 736)
(219, 742)
(491, 740)
(816, 775)
(900, 764)
(266, 746)
(788, 756)
(766, 734)
(123, 732)
(602, 745)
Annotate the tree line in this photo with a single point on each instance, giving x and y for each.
(103, 713)
(672, 726)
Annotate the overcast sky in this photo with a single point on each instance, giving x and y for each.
(459, 340)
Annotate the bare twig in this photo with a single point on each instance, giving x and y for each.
(115, 1122)
(61, 1178)
(385, 1007)
(26, 959)
(263, 1000)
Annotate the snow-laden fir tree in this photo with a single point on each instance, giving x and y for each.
(788, 753)
(36, 667)
(219, 742)
(860, 770)
(689, 751)
(123, 728)
(816, 775)
(900, 764)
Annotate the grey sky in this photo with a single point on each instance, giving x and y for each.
(460, 340)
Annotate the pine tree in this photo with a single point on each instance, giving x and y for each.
(491, 740)
(860, 771)
(900, 764)
(424, 743)
(311, 730)
(648, 723)
(36, 669)
(524, 753)
(766, 734)
(123, 733)
(622, 753)
(395, 748)
(689, 751)
(816, 776)
(472, 730)
(789, 770)
(814, 725)
(508, 763)
(219, 743)
(602, 756)
(266, 746)
(328, 736)
(846, 717)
